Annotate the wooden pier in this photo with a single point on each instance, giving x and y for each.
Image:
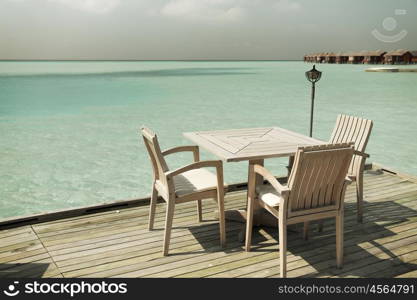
(116, 243)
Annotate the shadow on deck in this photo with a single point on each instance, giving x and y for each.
(19, 270)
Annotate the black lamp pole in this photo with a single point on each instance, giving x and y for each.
(313, 76)
(313, 90)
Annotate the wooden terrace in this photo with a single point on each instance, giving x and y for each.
(116, 243)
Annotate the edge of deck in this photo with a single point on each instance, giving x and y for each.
(31, 219)
(17, 221)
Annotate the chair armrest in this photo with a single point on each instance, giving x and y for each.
(193, 149)
(197, 165)
(283, 190)
(363, 154)
(348, 180)
(351, 177)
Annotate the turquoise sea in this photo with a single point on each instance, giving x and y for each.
(69, 131)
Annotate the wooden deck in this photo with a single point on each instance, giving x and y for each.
(117, 243)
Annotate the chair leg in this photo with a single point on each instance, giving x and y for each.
(359, 194)
(200, 210)
(339, 240)
(168, 225)
(305, 230)
(222, 220)
(282, 228)
(154, 198)
(250, 205)
(249, 222)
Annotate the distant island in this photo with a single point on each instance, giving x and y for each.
(396, 57)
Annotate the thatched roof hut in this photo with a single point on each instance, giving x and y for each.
(399, 56)
(374, 57)
(414, 56)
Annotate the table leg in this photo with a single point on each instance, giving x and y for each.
(261, 217)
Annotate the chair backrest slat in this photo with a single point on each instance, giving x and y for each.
(159, 164)
(352, 129)
(318, 195)
(318, 177)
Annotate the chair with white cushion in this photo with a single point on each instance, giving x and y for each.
(315, 191)
(189, 183)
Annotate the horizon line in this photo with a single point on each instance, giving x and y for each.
(151, 60)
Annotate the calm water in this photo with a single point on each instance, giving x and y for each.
(69, 130)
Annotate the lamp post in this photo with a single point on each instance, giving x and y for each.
(313, 76)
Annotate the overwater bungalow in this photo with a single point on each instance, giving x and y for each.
(320, 57)
(341, 58)
(313, 57)
(310, 58)
(356, 57)
(364, 57)
(374, 57)
(400, 56)
(330, 58)
(414, 56)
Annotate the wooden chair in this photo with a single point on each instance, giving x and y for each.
(356, 130)
(315, 191)
(189, 183)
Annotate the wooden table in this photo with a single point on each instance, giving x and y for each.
(253, 145)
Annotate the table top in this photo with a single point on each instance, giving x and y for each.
(251, 143)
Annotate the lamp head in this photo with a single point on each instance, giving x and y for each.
(313, 75)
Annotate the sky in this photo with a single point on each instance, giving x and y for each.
(202, 29)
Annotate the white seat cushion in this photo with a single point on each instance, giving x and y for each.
(197, 180)
(269, 195)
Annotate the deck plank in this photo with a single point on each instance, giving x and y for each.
(24, 255)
